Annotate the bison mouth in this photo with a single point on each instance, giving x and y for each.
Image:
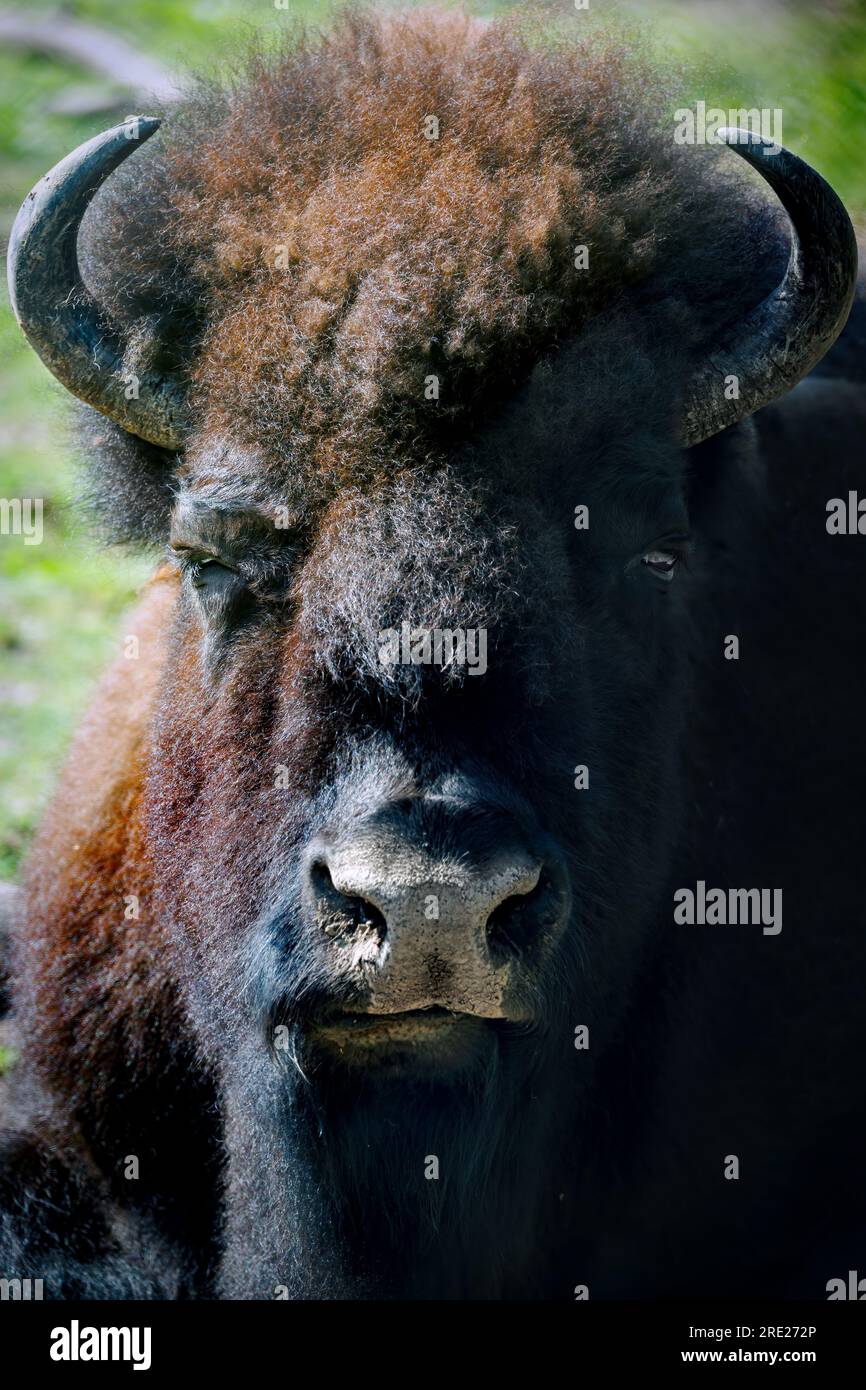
(412, 1037)
(368, 1029)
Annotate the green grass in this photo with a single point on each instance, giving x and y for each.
(61, 603)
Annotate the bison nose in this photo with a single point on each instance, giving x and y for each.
(417, 928)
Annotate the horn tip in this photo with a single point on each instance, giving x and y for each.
(756, 144)
(145, 126)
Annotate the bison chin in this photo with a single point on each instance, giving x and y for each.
(411, 1164)
(384, 1155)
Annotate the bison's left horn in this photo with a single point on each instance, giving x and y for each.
(58, 315)
(776, 344)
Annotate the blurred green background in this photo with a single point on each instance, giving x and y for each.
(61, 602)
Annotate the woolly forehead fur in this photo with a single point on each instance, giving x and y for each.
(294, 244)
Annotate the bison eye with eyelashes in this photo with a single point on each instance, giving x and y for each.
(221, 589)
(661, 562)
(211, 574)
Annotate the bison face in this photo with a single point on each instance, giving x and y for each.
(414, 770)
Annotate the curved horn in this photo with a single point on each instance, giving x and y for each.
(58, 316)
(782, 339)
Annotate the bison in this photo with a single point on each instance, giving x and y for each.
(455, 889)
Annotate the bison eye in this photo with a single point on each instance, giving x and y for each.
(662, 562)
(220, 589)
(211, 574)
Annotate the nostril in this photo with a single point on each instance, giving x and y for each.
(320, 876)
(367, 914)
(338, 911)
(520, 922)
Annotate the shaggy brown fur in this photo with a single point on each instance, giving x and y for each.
(312, 258)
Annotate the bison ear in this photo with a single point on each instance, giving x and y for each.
(782, 339)
(60, 318)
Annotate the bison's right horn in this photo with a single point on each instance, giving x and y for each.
(57, 314)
